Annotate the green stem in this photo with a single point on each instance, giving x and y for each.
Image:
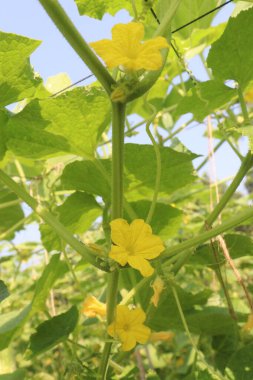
(75, 39)
(244, 168)
(243, 105)
(118, 123)
(158, 174)
(57, 226)
(204, 236)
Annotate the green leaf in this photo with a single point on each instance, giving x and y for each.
(238, 246)
(100, 7)
(9, 214)
(17, 79)
(204, 100)
(77, 213)
(3, 291)
(86, 176)
(50, 239)
(175, 165)
(17, 375)
(208, 320)
(189, 10)
(241, 364)
(165, 221)
(231, 57)
(53, 271)
(68, 123)
(53, 331)
(4, 116)
(11, 323)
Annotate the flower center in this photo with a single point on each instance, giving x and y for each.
(126, 327)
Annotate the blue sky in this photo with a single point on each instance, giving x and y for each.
(28, 18)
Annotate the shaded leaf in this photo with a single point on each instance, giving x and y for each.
(17, 79)
(53, 331)
(86, 176)
(3, 291)
(9, 214)
(241, 363)
(231, 57)
(238, 246)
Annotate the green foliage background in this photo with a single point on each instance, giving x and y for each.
(59, 149)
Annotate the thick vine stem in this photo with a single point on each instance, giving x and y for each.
(118, 123)
(57, 226)
(75, 39)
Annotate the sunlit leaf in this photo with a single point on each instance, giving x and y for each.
(230, 57)
(17, 79)
(68, 123)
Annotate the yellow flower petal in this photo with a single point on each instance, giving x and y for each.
(119, 254)
(162, 335)
(142, 334)
(93, 308)
(120, 232)
(129, 343)
(141, 264)
(137, 316)
(126, 48)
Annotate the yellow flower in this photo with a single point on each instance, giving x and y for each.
(158, 287)
(135, 244)
(128, 327)
(126, 49)
(93, 308)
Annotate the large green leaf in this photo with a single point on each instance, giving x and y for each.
(241, 364)
(17, 79)
(87, 176)
(208, 97)
(10, 214)
(231, 57)
(177, 170)
(68, 123)
(12, 322)
(53, 331)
